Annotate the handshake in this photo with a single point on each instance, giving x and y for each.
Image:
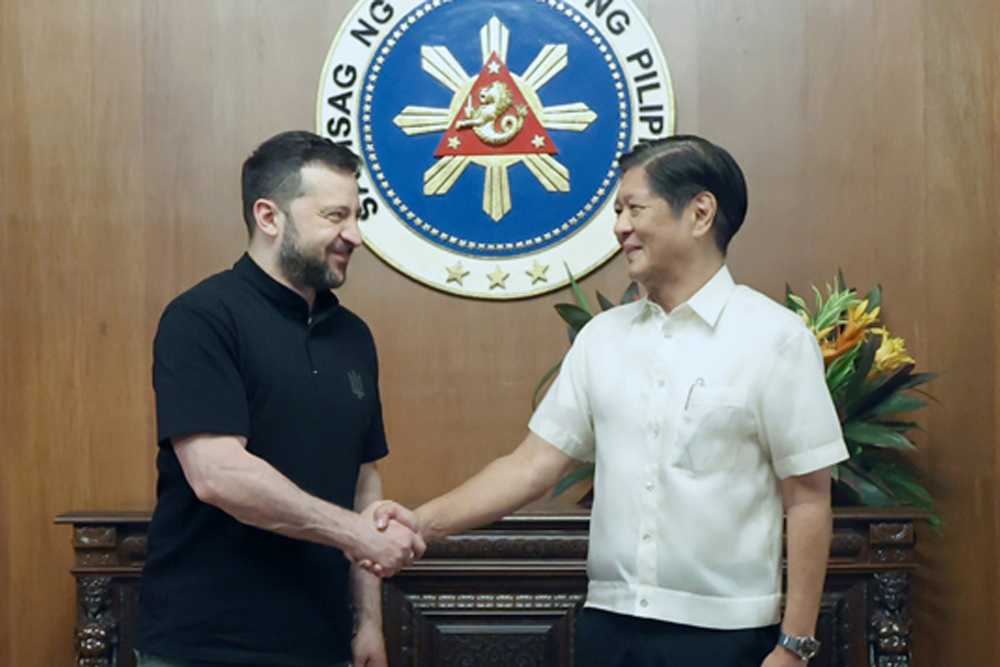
(388, 539)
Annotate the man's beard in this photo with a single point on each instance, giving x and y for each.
(301, 269)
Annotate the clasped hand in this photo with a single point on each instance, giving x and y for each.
(389, 539)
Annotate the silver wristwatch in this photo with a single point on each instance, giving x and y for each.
(804, 647)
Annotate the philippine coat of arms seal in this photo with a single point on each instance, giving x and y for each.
(491, 131)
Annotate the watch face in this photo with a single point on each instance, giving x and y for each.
(804, 647)
(808, 647)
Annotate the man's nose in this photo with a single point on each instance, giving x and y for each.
(623, 226)
(352, 232)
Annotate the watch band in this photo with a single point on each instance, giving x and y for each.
(804, 647)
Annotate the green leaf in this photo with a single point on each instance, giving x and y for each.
(895, 404)
(863, 361)
(605, 303)
(908, 487)
(631, 293)
(585, 471)
(860, 488)
(898, 426)
(876, 390)
(904, 484)
(916, 379)
(798, 305)
(792, 300)
(574, 316)
(872, 470)
(581, 300)
(840, 371)
(833, 311)
(874, 298)
(536, 397)
(875, 434)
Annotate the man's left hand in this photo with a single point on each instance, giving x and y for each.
(368, 647)
(780, 657)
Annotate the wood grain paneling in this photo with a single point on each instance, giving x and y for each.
(76, 396)
(993, 181)
(959, 233)
(867, 129)
(12, 152)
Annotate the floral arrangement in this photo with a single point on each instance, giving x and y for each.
(871, 381)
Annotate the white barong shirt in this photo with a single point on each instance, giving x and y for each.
(692, 417)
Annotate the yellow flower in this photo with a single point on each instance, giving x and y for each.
(891, 354)
(859, 316)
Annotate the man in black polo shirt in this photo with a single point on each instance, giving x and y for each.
(269, 425)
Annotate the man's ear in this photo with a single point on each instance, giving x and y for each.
(704, 206)
(268, 217)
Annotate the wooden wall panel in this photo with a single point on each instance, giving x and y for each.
(762, 93)
(993, 176)
(75, 388)
(959, 233)
(867, 128)
(12, 151)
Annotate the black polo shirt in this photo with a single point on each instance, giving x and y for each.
(241, 354)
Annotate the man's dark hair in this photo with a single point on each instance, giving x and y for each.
(274, 171)
(682, 166)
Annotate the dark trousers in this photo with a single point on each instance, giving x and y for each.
(147, 660)
(604, 639)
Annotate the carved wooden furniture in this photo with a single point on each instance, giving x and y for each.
(508, 594)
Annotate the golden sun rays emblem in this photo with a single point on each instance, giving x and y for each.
(490, 132)
(495, 110)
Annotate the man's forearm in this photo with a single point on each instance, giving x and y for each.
(366, 588)
(255, 493)
(505, 485)
(366, 596)
(809, 534)
(222, 473)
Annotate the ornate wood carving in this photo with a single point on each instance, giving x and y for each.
(96, 628)
(892, 533)
(508, 594)
(491, 649)
(510, 546)
(495, 602)
(892, 629)
(847, 544)
(134, 549)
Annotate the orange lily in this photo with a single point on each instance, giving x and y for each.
(854, 332)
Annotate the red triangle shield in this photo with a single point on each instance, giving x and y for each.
(495, 119)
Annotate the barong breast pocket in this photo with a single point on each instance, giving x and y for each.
(713, 422)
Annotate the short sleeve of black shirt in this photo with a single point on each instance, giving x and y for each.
(196, 374)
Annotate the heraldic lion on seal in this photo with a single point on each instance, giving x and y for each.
(496, 99)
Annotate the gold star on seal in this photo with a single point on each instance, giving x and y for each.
(538, 141)
(498, 278)
(537, 273)
(456, 274)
